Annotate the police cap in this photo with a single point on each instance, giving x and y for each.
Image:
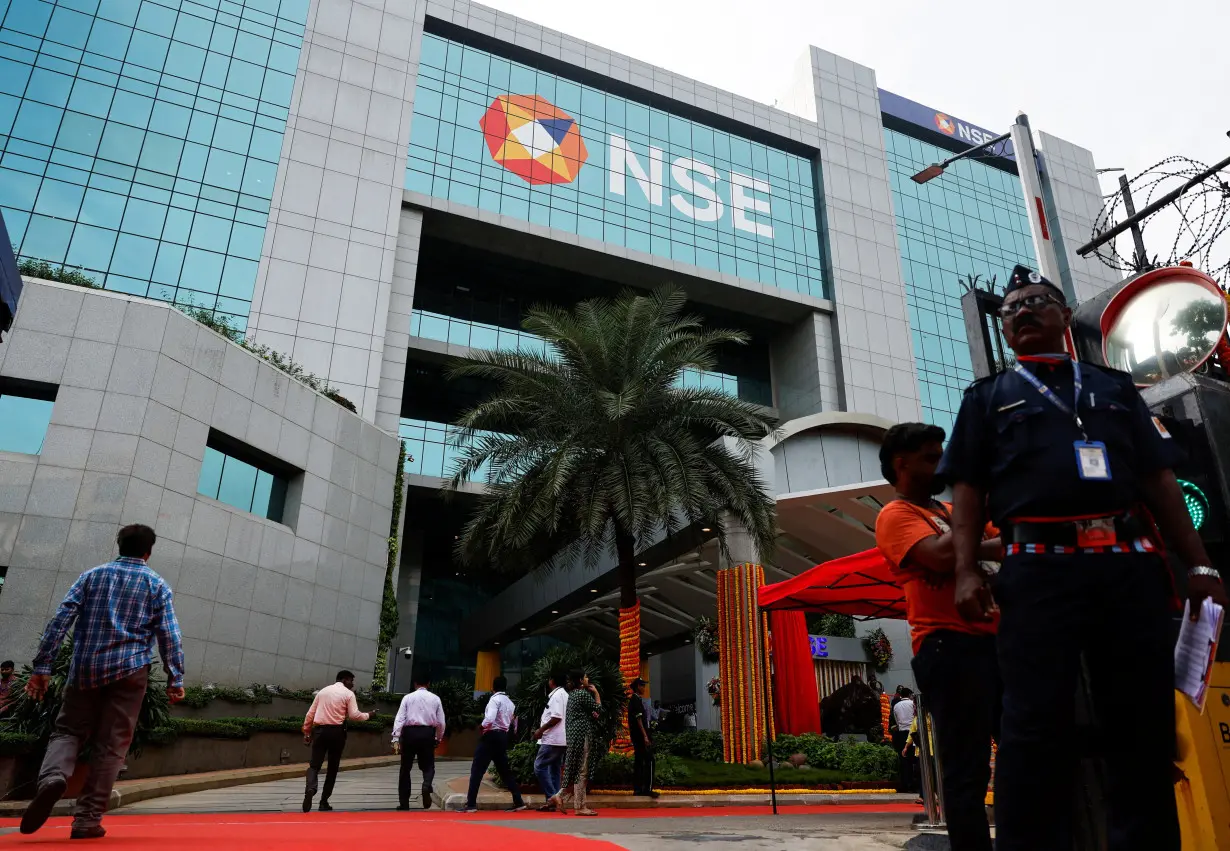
(1023, 276)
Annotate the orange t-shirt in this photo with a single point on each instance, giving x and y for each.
(929, 598)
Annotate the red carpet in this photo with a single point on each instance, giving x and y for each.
(442, 830)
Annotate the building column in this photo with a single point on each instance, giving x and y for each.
(486, 669)
(873, 344)
(747, 715)
(409, 582)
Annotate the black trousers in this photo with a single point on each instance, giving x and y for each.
(492, 748)
(958, 675)
(326, 742)
(642, 768)
(416, 743)
(907, 775)
(1114, 608)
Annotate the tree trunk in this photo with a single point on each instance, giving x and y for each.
(629, 626)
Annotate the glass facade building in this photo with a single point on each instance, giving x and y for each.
(139, 140)
(969, 221)
(638, 176)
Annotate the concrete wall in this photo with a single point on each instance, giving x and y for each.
(140, 387)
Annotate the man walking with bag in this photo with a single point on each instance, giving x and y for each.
(120, 609)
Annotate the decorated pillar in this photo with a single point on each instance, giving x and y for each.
(629, 667)
(742, 640)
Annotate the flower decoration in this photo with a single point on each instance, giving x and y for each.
(879, 648)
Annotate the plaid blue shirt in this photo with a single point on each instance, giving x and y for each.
(119, 608)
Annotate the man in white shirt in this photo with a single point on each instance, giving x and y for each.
(903, 717)
(493, 747)
(552, 743)
(417, 729)
(323, 729)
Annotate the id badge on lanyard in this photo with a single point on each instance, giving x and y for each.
(1092, 462)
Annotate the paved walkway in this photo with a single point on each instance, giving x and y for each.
(368, 789)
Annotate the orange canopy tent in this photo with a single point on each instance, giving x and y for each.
(859, 585)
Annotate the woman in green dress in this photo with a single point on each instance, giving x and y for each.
(584, 750)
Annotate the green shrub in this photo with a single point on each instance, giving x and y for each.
(702, 745)
(603, 671)
(64, 275)
(865, 760)
(36, 718)
(614, 771)
(13, 744)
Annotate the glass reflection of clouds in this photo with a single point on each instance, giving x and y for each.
(1165, 330)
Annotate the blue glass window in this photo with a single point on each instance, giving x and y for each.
(969, 221)
(240, 482)
(25, 413)
(137, 98)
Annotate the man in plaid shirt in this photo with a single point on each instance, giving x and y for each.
(120, 608)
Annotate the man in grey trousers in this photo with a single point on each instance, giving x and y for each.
(120, 609)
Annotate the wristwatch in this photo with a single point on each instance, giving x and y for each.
(1203, 570)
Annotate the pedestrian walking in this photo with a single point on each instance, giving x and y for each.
(120, 610)
(903, 716)
(642, 743)
(1068, 462)
(417, 730)
(552, 739)
(324, 729)
(584, 752)
(954, 659)
(493, 747)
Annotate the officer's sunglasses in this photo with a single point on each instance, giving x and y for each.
(1033, 302)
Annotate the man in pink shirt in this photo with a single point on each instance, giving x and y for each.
(323, 729)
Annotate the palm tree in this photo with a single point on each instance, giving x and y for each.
(594, 447)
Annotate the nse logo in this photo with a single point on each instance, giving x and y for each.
(541, 144)
(952, 127)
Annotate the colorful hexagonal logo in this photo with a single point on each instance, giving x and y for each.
(533, 139)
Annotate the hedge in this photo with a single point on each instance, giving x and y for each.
(615, 770)
(199, 697)
(14, 744)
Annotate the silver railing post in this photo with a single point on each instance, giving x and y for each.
(930, 773)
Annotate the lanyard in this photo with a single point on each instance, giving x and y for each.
(1049, 395)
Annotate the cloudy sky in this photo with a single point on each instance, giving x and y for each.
(1132, 80)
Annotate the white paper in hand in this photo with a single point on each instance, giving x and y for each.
(1195, 651)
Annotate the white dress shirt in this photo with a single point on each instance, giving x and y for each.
(420, 708)
(903, 714)
(499, 714)
(557, 705)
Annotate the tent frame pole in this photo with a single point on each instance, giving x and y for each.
(767, 682)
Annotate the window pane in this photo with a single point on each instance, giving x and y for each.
(238, 484)
(211, 473)
(23, 423)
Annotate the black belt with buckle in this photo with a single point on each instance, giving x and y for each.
(1101, 531)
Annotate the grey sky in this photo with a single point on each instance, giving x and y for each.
(1134, 80)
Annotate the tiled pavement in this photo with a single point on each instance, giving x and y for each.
(368, 789)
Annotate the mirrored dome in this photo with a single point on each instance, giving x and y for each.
(1166, 329)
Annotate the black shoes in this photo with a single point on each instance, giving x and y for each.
(403, 808)
(325, 807)
(307, 802)
(95, 832)
(40, 807)
(427, 799)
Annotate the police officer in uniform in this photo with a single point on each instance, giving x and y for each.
(1070, 465)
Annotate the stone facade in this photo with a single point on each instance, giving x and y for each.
(139, 388)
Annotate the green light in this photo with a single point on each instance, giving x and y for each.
(1197, 502)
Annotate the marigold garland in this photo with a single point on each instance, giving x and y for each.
(742, 638)
(629, 666)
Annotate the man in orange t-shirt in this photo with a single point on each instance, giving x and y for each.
(954, 659)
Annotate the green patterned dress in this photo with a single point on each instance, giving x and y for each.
(581, 728)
